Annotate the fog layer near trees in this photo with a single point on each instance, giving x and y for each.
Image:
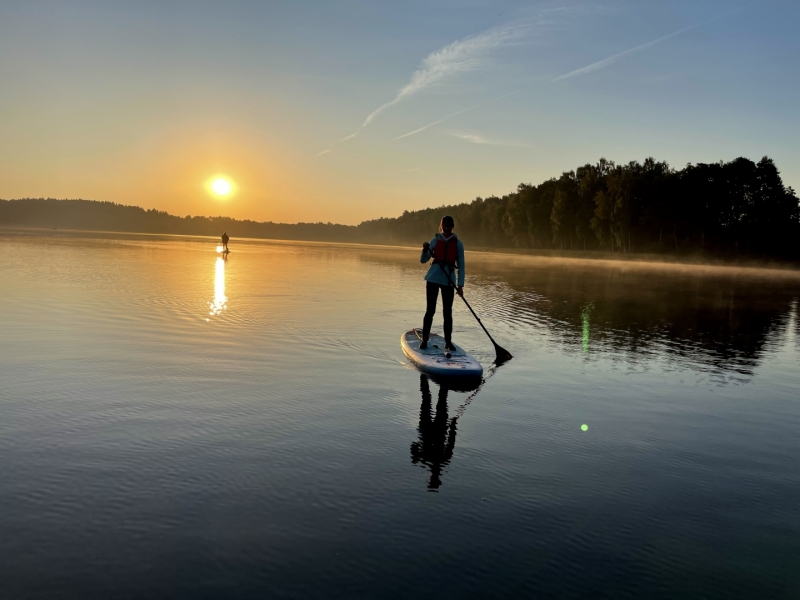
(738, 208)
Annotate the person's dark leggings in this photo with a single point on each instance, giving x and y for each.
(432, 293)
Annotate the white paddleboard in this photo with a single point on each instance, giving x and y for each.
(433, 359)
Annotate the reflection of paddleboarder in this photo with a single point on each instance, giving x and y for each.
(225, 239)
(437, 434)
(447, 252)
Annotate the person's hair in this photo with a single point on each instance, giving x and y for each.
(448, 220)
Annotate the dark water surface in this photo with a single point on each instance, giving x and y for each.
(174, 425)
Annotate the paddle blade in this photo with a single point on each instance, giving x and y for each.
(502, 354)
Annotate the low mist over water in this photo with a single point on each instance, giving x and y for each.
(180, 424)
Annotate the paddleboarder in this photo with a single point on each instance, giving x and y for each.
(225, 239)
(447, 252)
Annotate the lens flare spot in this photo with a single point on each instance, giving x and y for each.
(584, 427)
(586, 312)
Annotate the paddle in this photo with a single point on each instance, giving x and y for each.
(502, 353)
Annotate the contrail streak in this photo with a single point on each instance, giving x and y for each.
(459, 57)
(607, 61)
(424, 127)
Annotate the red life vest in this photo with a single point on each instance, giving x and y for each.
(446, 251)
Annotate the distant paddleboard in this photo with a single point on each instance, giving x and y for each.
(435, 361)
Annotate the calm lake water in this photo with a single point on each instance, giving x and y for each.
(175, 425)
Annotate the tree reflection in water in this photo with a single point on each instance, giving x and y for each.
(717, 321)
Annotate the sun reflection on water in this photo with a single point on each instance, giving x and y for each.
(219, 304)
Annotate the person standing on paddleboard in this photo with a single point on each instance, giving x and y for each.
(225, 239)
(447, 252)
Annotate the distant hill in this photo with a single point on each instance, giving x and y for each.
(107, 216)
(739, 208)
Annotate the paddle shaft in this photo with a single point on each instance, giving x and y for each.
(479, 320)
(498, 348)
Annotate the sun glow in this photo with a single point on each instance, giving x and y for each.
(220, 186)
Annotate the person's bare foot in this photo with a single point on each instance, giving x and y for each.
(423, 345)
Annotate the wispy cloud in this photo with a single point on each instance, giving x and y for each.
(611, 59)
(473, 138)
(461, 56)
(324, 152)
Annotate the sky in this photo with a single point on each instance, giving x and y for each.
(353, 110)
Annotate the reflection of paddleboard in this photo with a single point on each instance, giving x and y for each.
(433, 359)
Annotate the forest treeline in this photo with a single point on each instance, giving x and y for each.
(738, 208)
(734, 208)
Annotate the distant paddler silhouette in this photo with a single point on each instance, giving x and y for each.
(225, 239)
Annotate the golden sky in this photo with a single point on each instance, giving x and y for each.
(320, 112)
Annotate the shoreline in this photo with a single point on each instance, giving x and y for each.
(577, 256)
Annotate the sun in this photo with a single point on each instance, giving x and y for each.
(220, 186)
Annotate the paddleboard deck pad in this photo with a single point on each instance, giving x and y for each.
(433, 359)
